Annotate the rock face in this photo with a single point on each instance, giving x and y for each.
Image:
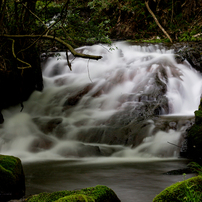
(12, 180)
(191, 189)
(191, 51)
(16, 85)
(92, 194)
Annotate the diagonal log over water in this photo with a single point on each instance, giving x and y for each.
(132, 102)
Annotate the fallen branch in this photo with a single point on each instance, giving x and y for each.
(157, 22)
(68, 46)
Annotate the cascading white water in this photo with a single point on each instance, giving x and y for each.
(88, 96)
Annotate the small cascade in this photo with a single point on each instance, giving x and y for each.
(113, 108)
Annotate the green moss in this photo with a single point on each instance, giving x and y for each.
(198, 117)
(200, 106)
(181, 191)
(10, 171)
(92, 194)
(76, 198)
(12, 179)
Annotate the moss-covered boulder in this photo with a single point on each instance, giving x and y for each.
(93, 194)
(187, 190)
(194, 137)
(12, 179)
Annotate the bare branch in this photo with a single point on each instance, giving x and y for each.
(68, 46)
(157, 22)
(68, 63)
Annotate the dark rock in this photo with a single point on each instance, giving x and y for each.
(190, 51)
(40, 144)
(12, 179)
(1, 118)
(194, 137)
(47, 125)
(74, 99)
(16, 85)
(179, 171)
(80, 150)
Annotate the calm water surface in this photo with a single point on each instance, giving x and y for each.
(132, 181)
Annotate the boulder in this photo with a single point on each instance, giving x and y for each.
(93, 194)
(187, 190)
(12, 179)
(194, 137)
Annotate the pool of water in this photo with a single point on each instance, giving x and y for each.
(131, 181)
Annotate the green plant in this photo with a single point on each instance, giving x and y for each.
(195, 167)
(191, 195)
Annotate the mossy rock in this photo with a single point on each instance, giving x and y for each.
(194, 137)
(198, 117)
(187, 190)
(12, 179)
(93, 194)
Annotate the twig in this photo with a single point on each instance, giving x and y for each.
(69, 64)
(173, 144)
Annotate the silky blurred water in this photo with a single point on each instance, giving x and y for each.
(89, 97)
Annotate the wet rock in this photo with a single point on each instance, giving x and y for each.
(131, 134)
(47, 125)
(74, 99)
(190, 51)
(40, 144)
(179, 171)
(80, 150)
(12, 179)
(88, 150)
(1, 118)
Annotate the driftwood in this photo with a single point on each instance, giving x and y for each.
(157, 22)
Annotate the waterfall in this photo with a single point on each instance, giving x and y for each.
(119, 107)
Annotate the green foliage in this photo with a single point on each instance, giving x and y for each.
(195, 167)
(190, 194)
(189, 190)
(95, 21)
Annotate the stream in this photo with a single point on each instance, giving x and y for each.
(119, 121)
